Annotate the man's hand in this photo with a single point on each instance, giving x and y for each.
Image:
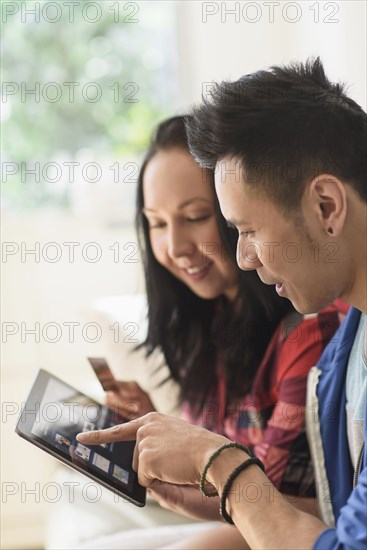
(186, 500)
(167, 448)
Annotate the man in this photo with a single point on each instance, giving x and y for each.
(289, 150)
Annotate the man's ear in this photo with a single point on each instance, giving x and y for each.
(329, 200)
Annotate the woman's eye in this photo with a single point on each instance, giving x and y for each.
(157, 225)
(199, 218)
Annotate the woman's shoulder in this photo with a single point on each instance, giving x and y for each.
(302, 338)
(330, 317)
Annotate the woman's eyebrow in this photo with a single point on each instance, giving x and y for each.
(180, 206)
(144, 209)
(194, 199)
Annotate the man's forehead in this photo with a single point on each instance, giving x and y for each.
(244, 205)
(229, 180)
(229, 169)
(233, 201)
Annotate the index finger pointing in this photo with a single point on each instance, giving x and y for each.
(121, 432)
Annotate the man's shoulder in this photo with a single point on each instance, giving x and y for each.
(340, 345)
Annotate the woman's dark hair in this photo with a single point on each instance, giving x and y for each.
(193, 332)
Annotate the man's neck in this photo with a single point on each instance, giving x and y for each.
(357, 297)
(355, 240)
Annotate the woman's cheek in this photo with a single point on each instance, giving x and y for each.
(159, 249)
(210, 234)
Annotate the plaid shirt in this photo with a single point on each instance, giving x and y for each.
(270, 418)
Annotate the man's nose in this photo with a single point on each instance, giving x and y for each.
(248, 256)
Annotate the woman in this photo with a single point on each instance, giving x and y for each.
(239, 352)
(196, 294)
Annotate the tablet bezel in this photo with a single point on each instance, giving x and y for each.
(25, 424)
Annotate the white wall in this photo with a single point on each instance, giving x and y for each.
(217, 47)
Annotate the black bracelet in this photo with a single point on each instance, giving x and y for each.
(228, 485)
(211, 460)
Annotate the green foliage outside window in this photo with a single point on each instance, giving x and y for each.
(96, 80)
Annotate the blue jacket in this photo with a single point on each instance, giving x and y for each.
(349, 505)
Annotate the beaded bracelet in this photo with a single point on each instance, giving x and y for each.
(228, 485)
(211, 460)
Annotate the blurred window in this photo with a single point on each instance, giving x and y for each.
(82, 82)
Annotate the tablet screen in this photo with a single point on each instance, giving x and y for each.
(56, 412)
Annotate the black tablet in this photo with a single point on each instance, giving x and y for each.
(55, 413)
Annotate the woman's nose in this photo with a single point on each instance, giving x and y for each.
(180, 243)
(248, 256)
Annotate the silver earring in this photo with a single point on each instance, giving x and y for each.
(330, 230)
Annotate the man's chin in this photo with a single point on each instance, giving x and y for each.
(307, 308)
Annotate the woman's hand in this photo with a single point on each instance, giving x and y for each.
(167, 448)
(186, 500)
(130, 401)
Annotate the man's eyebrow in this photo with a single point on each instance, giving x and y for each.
(237, 223)
(182, 205)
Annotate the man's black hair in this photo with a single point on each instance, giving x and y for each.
(284, 126)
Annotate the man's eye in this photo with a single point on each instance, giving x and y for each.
(247, 233)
